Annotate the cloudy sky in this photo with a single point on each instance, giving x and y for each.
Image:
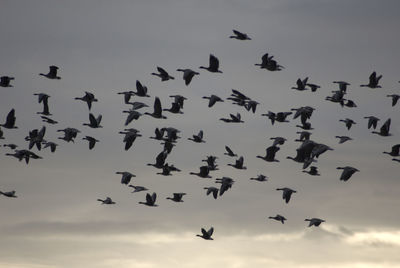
(104, 47)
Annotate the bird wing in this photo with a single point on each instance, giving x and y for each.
(386, 127)
(157, 106)
(11, 118)
(92, 119)
(149, 199)
(162, 71)
(214, 62)
(210, 231)
(230, 152)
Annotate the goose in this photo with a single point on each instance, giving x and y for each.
(238, 98)
(314, 221)
(384, 130)
(168, 145)
(127, 95)
(348, 122)
(212, 190)
(107, 201)
(10, 120)
(158, 134)
(373, 81)
(270, 154)
(204, 171)
(281, 116)
(229, 152)
(50, 144)
(138, 188)
(36, 137)
(166, 170)
(394, 152)
(94, 122)
(130, 137)
(342, 85)
(9, 194)
(251, 105)
(52, 73)
(157, 111)
(313, 87)
(287, 193)
(234, 118)
(177, 197)
(163, 74)
(395, 98)
(150, 200)
(267, 62)
(301, 84)
(89, 98)
(350, 104)
(226, 184)
(211, 162)
(43, 98)
(160, 160)
(126, 176)
(238, 163)
(69, 134)
(319, 149)
(337, 97)
(172, 134)
(372, 121)
(347, 172)
(24, 154)
(132, 115)
(305, 126)
(48, 120)
(304, 135)
(11, 146)
(260, 178)
(213, 99)
(188, 75)
(239, 36)
(198, 138)
(278, 140)
(213, 65)
(175, 108)
(179, 99)
(278, 218)
(141, 90)
(271, 116)
(313, 171)
(303, 112)
(343, 139)
(206, 234)
(92, 141)
(5, 81)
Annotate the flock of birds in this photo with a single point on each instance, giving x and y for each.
(306, 154)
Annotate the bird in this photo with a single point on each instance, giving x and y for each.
(384, 130)
(287, 193)
(163, 74)
(373, 81)
(179, 99)
(203, 173)
(278, 218)
(372, 121)
(127, 95)
(270, 154)
(212, 100)
(267, 62)
(24, 154)
(350, 104)
(9, 194)
(251, 105)
(157, 111)
(238, 163)
(177, 197)
(348, 122)
(314, 221)
(239, 36)
(11, 146)
(160, 160)
(313, 171)
(141, 90)
(206, 234)
(226, 184)
(198, 138)
(132, 115)
(304, 135)
(211, 162)
(50, 144)
(94, 122)
(10, 120)
(107, 201)
(260, 178)
(342, 85)
(89, 98)
(343, 139)
(319, 149)
(313, 87)
(126, 176)
(48, 120)
(395, 98)
(52, 74)
(395, 150)
(188, 74)
(5, 81)
(229, 152)
(212, 190)
(159, 134)
(301, 84)
(150, 200)
(69, 134)
(234, 118)
(36, 137)
(130, 137)
(92, 141)
(175, 108)
(281, 116)
(213, 65)
(278, 140)
(138, 188)
(43, 98)
(347, 172)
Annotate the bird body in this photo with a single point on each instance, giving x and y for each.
(347, 172)
(239, 36)
(286, 193)
(163, 74)
(213, 65)
(278, 218)
(52, 74)
(188, 74)
(150, 200)
(206, 234)
(314, 222)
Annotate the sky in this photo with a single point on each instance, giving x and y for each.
(104, 47)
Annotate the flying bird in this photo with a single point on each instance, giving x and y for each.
(52, 74)
(314, 221)
(278, 218)
(239, 36)
(177, 197)
(10, 120)
(347, 172)
(287, 193)
(206, 234)
(373, 81)
(89, 98)
(107, 201)
(150, 200)
(188, 74)
(5, 81)
(213, 65)
(92, 141)
(163, 74)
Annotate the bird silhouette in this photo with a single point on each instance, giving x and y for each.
(52, 74)
(150, 200)
(5, 81)
(373, 81)
(286, 193)
(206, 234)
(239, 36)
(163, 74)
(213, 65)
(188, 74)
(314, 222)
(347, 172)
(278, 218)
(10, 120)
